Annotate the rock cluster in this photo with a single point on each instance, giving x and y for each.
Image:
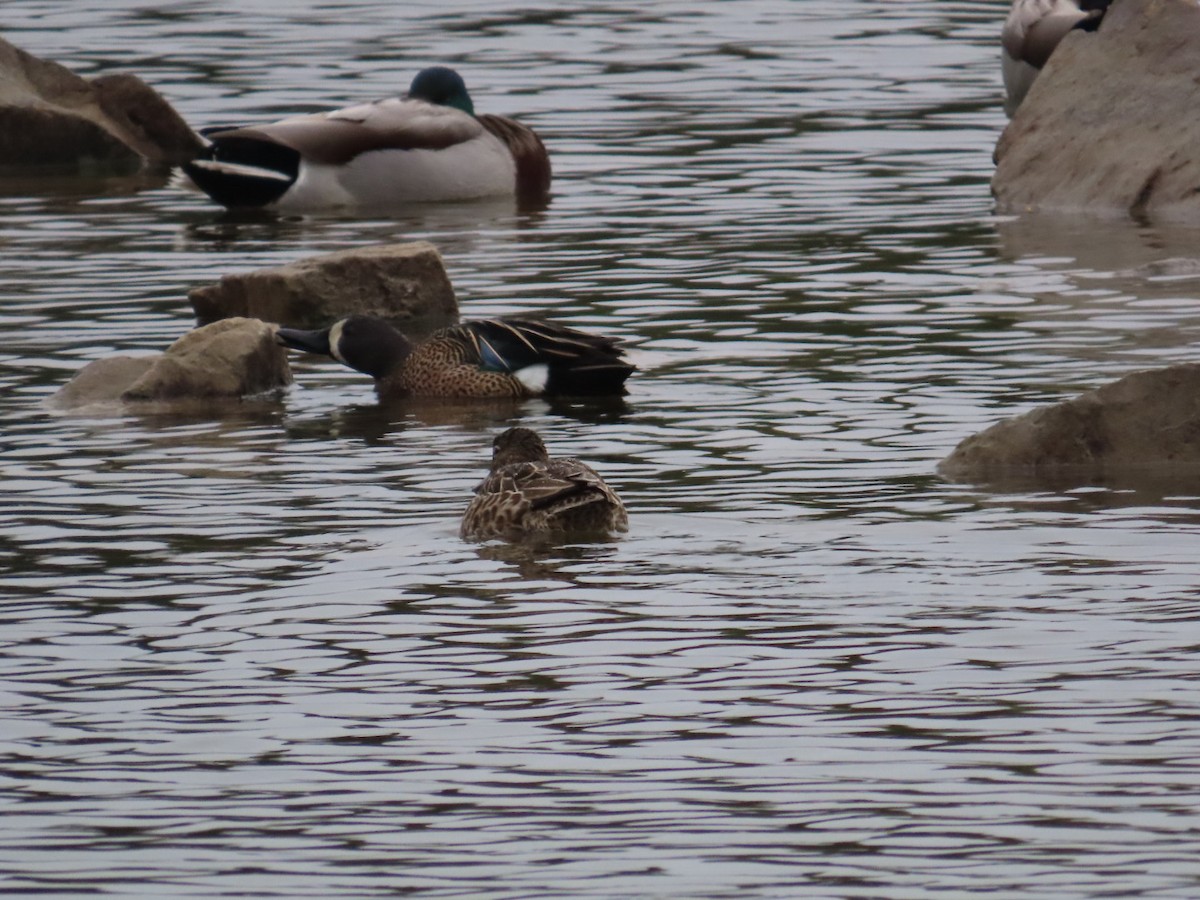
(234, 353)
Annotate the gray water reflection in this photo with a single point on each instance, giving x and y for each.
(249, 655)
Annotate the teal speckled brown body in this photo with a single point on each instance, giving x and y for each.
(488, 358)
(529, 495)
(446, 366)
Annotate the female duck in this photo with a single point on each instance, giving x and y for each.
(528, 494)
(487, 358)
(427, 146)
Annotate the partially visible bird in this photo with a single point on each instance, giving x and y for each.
(1032, 31)
(426, 146)
(530, 495)
(486, 358)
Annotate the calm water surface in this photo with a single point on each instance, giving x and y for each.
(248, 656)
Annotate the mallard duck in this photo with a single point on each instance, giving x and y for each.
(426, 146)
(1032, 31)
(528, 494)
(509, 357)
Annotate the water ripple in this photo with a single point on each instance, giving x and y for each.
(251, 656)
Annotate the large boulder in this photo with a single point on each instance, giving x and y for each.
(1108, 125)
(229, 359)
(406, 284)
(1146, 420)
(50, 117)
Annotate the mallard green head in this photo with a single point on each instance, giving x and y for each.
(441, 85)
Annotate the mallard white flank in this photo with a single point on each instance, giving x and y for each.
(1032, 31)
(426, 146)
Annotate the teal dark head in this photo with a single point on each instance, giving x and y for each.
(443, 86)
(365, 343)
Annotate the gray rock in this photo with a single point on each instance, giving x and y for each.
(1108, 124)
(228, 359)
(1145, 420)
(403, 283)
(50, 117)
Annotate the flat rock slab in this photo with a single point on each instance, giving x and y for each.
(406, 284)
(1110, 124)
(50, 117)
(1146, 420)
(232, 358)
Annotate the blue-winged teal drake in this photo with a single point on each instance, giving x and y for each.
(1030, 34)
(426, 146)
(510, 357)
(528, 495)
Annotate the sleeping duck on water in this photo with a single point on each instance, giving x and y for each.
(426, 146)
(1031, 32)
(512, 357)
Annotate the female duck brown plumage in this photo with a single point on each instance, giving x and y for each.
(528, 494)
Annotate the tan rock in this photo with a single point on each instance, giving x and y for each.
(51, 117)
(144, 120)
(228, 359)
(1108, 124)
(406, 284)
(1145, 420)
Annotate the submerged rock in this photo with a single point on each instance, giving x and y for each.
(228, 359)
(1146, 420)
(406, 284)
(50, 117)
(102, 381)
(1108, 125)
